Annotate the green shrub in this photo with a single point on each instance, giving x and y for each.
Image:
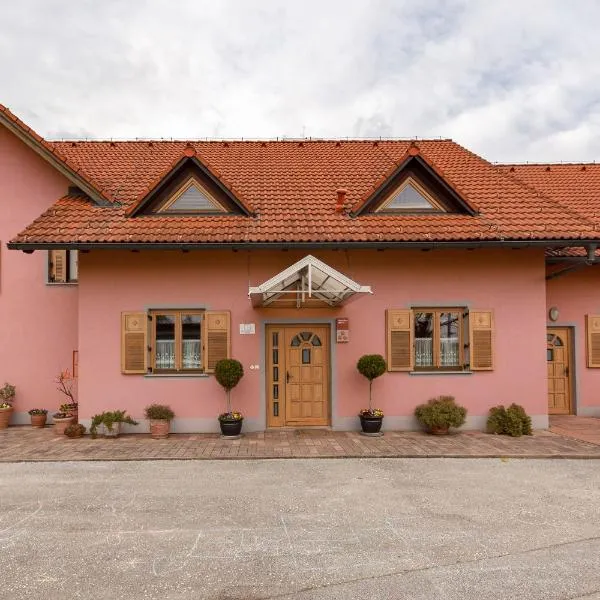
(512, 421)
(371, 366)
(108, 418)
(441, 412)
(159, 412)
(228, 373)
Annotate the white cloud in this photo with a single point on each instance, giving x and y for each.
(512, 80)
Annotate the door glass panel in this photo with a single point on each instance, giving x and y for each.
(275, 409)
(423, 339)
(165, 342)
(306, 356)
(275, 339)
(449, 339)
(275, 392)
(549, 354)
(295, 341)
(275, 357)
(558, 341)
(191, 327)
(306, 335)
(275, 373)
(316, 341)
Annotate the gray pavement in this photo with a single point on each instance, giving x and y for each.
(306, 529)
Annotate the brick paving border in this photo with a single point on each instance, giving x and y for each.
(25, 444)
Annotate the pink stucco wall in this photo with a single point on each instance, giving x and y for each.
(507, 281)
(38, 322)
(577, 294)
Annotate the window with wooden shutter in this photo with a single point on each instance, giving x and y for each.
(481, 340)
(217, 338)
(62, 266)
(134, 343)
(400, 346)
(592, 325)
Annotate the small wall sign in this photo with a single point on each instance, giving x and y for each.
(247, 328)
(342, 330)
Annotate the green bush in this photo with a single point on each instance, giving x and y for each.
(371, 366)
(228, 372)
(512, 421)
(159, 412)
(441, 412)
(108, 418)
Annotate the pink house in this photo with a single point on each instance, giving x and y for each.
(145, 262)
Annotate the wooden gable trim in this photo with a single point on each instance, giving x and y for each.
(167, 178)
(391, 183)
(182, 189)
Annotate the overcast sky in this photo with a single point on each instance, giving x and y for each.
(511, 80)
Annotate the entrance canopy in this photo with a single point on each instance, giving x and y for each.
(307, 283)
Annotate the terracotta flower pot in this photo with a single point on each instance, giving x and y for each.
(60, 424)
(38, 420)
(439, 430)
(159, 428)
(5, 414)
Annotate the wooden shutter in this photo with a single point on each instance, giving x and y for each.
(481, 340)
(400, 334)
(217, 338)
(58, 266)
(134, 342)
(592, 326)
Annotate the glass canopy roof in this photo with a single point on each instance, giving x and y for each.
(309, 282)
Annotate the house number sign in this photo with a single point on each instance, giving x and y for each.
(247, 329)
(342, 330)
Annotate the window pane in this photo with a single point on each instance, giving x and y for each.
(423, 339)
(449, 339)
(73, 265)
(165, 342)
(306, 356)
(316, 341)
(190, 341)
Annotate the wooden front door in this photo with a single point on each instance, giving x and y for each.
(558, 357)
(298, 368)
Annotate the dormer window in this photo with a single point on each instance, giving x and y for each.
(191, 197)
(410, 197)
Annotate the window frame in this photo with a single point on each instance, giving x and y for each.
(177, 313)
(166, 206)
(436, 350)
(69, 260)
(436, 206)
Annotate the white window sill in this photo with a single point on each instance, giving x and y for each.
(177, 375)
(62, 283)
(440, 373)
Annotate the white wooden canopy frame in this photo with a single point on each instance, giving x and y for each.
(308, 278)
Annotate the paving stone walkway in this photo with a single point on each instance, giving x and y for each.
(586, 429)
(24, 443)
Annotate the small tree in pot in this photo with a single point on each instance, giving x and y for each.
(160, 417)
(228, 373)
(371, 366)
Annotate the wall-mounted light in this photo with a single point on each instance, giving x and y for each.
(553, 313)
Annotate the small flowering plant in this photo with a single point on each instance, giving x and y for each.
(5, 405)
(371, 413)
(231, 416)
(38, 411)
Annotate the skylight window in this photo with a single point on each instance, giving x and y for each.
(191, 197)
(410, 197)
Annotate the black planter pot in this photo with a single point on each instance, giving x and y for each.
(371, 424)
(231, 428)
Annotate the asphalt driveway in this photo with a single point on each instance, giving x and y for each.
(306, 529)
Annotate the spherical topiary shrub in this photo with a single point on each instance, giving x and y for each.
(228, 372)
(371, 366)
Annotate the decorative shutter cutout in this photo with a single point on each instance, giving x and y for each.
(134, 342)
(58, 266)
(481, 340)
(217, 338)
(400, 345)
(592, 325)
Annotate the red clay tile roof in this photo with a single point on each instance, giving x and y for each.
(291, 187)
(574, 185)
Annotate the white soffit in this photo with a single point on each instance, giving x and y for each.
(308, 279)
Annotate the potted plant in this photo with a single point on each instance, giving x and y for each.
(7, 395)
(111, 421)
(65, 386)
(38, 417)
(371, 366)
(74, 430)
(228, 373)
(61, 421)
(441, 413)
(160, 417)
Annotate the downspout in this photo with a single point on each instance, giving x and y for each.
(589, 260)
